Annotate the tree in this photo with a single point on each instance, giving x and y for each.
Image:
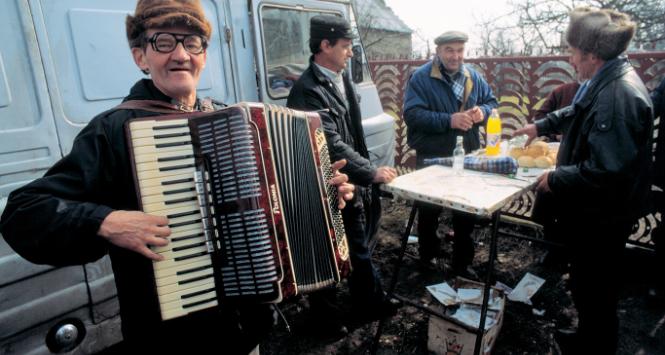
(538, 26)
(374, 29)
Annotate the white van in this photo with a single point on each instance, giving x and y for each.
(64, 61)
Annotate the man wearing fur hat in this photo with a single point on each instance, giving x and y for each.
(444, 99)
(601, 181)
(86, 205)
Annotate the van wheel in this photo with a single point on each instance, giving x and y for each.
(65, 335)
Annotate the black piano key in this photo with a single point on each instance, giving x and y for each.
(190, 246)
(173, 126)
(179, 191)
(197, 235)
(180, 224)
(194, 279)
(177, 167)
(197, 293)
(189, 271)
(177, 181)
(194, 304)
(180, 200)
(173, 158)
(182, 214)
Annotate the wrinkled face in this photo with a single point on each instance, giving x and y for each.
(451, 55)
(176, 73)
(583, 63)
(336, 57)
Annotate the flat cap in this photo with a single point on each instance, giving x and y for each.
(329, 27)
(451, 36)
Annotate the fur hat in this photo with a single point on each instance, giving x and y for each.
(602, 32)
(165, 13)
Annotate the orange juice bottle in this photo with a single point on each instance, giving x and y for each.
(493, 131)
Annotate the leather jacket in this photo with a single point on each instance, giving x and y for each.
(604, 161)
(314, 91)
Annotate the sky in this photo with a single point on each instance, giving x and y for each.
(433, 17)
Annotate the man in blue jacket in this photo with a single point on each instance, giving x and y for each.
(444, 99)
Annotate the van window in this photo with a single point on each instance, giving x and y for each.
(286, 46)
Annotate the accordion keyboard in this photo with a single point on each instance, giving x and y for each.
(166, 170)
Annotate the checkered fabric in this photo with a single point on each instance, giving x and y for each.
(458, 85)
(495, 165)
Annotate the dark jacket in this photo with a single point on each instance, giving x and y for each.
(71, 201)
(658, 98)
(343, 128)
(604, 161)
(429, 102)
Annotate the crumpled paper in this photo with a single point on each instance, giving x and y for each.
(526, 288)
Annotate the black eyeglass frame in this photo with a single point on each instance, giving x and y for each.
(179, 38)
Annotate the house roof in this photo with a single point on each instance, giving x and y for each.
(377, 15)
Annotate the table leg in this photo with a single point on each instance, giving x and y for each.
(395, 276)
(488, 286)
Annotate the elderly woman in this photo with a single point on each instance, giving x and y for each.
(87, 206)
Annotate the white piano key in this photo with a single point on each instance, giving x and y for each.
(166, 189)
(177, 288)
(182, 278)
(162, 207)
(147, 154)
(150, 124)
(174, 313)
(171, 180)
(184, 268)
(147, 200)
(176, 141)
(165, 165)
(177, 296)
(163, 267)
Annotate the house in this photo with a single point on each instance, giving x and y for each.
(383, 33)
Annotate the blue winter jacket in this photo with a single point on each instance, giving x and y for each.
(429, 102)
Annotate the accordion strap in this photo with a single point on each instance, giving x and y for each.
(161, 106)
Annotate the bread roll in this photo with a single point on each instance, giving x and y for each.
(543, 162)
(537, 149)
(552, 155)
(526, 161)
(517, 152)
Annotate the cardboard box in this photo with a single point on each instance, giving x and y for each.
(449, 336)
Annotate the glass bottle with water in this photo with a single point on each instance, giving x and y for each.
(458, 155)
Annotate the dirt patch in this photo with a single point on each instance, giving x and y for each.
(523, 331)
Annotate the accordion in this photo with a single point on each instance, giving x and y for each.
(251, 214)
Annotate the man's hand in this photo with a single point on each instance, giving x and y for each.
(344, 189)
(135, 230)
(475, 113)
(541, 183)
(530, 130)
(461, 121)
(384, 174)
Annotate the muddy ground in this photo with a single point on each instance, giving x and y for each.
(523, 331)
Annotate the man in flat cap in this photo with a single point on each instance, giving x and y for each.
(601, 182)
(446, 99)
(325, 87)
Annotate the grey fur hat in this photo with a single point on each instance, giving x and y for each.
(603, 32)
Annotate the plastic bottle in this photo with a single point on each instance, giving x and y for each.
(458, 155)
(493, 130)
